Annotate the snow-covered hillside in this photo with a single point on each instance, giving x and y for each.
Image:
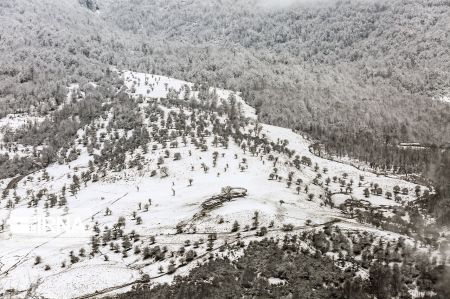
(126, 204)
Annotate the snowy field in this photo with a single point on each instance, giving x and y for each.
(171, 201)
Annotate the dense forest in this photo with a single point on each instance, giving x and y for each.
(286, 269)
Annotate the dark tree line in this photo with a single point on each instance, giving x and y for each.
(306, 273)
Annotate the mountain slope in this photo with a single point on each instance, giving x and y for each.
(128, 196)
